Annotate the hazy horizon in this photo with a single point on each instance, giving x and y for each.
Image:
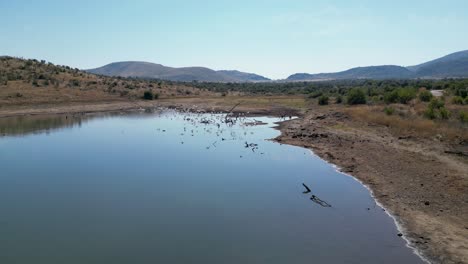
(269, 38)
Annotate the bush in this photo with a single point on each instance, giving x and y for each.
(462, 92)
(457, 100)
(356, 96)
(430, 113)
(437, 108)
(315, 94)
(391, 97)
(402, 95)
(406, 95)
(425, 96)
(444, 113)
(148, 95)
(323, 100)
(436, 103)
(339, 99)
(463, 116)
(74, 82)
(389, 110)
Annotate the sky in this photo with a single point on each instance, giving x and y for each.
(272, 38)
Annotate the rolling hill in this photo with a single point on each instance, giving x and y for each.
(184, 74)
(371, 72)
(453, 65)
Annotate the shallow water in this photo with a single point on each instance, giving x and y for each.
(158, 188)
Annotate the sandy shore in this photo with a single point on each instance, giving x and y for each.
(424, 188)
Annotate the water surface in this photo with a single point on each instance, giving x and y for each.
(169, 187)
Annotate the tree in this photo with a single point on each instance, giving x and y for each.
(148, 95)
(323, 100)
(356, 96)
(339, 99)
(425, 96)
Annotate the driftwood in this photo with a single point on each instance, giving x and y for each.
(226, 120)
(319, 201)
(314, 198)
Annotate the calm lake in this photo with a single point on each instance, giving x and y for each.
(170, 187)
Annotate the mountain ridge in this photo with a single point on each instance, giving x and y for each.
(454, 65)
(142, 69)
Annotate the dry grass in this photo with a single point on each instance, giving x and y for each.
(245, 102)
(31, 82)
(407, 120)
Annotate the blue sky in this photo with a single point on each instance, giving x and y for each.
(272, 38)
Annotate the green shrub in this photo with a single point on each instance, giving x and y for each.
(444, 113)
(436, 103)
(148, 95)
(356, 96)
(462, 92)
(402, 95)
(389, 110)
(339, 99)
(425, 96)
(315, 94)
(391, 97)
(457, 100)
(430, 113)
(323, 100)
(463, 116)
(406, 94)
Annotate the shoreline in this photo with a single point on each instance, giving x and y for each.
(395, 219)
(322, 140)
(399, 225)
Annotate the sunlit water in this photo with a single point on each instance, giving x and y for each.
(158, 188)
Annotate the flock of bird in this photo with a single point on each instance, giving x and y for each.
(225, 127)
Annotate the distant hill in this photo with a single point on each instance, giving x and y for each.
(371, 72)
(184, 74)
(249, 77)
(453, 65)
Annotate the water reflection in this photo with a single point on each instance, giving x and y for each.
(37, 124)
(24, 125)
